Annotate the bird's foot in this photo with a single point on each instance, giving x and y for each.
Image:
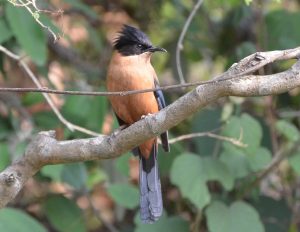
(145, 116)
(118, 130)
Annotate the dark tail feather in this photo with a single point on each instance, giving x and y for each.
(164, 141)
(151, 205)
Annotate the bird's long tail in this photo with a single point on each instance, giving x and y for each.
(151, 205)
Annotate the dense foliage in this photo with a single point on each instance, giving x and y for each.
(208, 184)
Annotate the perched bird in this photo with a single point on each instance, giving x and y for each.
(130, 69)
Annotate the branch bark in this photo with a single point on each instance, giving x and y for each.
(45, 149)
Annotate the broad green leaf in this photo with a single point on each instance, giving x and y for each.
(288, 130)
(240, 216)
(125, 195)
(5, 32)
(241, 164)
(260, 159)
(29, 33)
(191, 172)
(53, 171)
(75, 175)
(64, 215)
(236, 162)
(294, 161)
(245, 127)
(174, 224)
(4, 156)
(14, 220)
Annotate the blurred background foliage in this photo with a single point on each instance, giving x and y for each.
(208, 184)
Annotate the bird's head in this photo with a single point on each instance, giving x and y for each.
(133, 41)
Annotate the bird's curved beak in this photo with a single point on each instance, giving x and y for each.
(157, 49)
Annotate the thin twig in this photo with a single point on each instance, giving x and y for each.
(236, 142)
(179, 46)
(28, 71)
(244, 67)
(34, 13)
(277, 158)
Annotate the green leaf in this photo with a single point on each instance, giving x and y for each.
(86, 111)
(260, 159)
(241, 164)
(282, 29)
(174, 224)
(245, 127)
(75, 175)
(6, 33)
(294, 161)
(29, 34)
(206, 120)
(240, 216)
(4, 156)
(122, 164)
(274, 213)
(46, 120)
(53, 171)
(288, 130)
(191, 172)
(64, 215)
(13, 220)
(95, 177)
(79, 5)
(125, 195)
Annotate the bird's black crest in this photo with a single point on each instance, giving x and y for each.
(132, 41)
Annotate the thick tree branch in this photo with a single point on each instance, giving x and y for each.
(45, 149)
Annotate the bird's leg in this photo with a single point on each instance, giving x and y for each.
(145, 116)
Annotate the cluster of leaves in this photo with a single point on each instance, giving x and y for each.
(214, 178)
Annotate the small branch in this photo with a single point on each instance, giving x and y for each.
(28, 71)
(277, 158)
(233, 141)
(179, 45)
(34, 13)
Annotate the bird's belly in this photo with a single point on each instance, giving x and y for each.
(131, 108)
